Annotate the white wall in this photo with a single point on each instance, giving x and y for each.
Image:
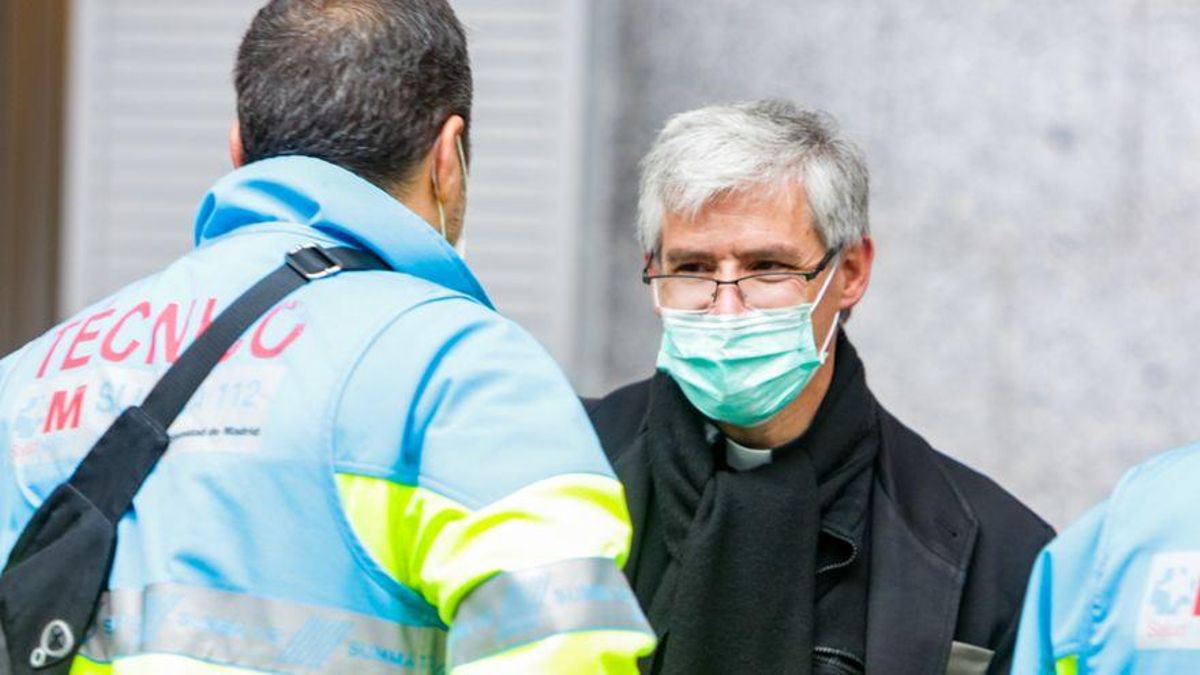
(1036, 194)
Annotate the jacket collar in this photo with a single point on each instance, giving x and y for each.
(923, 534)
(320, 195)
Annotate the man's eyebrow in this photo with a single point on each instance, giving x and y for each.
(688, 255)
(778, 252)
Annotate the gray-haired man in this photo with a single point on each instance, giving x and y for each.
(784, 522)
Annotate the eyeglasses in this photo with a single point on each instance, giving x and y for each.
(762, 290)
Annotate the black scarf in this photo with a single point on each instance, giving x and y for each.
(738, 592)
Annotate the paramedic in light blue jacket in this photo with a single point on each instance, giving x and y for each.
(1119, 591)
(383, 474)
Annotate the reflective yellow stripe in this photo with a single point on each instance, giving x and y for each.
(596, 652)
(585, 653)
(257, 633)
(82, 665)
(517, 608)
(152, 664)
(396, 523)
(1067, 665)
(443, 549)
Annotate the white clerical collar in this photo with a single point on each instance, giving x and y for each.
(741, 458)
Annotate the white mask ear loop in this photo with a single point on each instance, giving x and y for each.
(462, 162)
(461, 245)
(829, 279)
(462, 157)
(440, 206)
(836, 317)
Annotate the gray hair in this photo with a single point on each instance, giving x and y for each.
(703, 155)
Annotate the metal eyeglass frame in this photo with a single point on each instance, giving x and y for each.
(808, 276)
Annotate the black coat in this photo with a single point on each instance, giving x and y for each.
(950, 550)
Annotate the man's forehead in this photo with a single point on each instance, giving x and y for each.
(762, 204)
(754, 230)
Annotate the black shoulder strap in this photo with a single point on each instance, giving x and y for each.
(59, 567)
(111, 479)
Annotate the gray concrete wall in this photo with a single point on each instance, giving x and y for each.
(1036, 195)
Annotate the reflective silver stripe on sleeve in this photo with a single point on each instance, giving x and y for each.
(516, 608)
(236, 630)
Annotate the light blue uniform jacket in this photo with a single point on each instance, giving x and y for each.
(1119, 591)
(371, 452)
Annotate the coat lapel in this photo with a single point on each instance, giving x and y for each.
(634, 474)
(922, 536)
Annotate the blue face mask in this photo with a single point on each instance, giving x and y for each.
(743, 368)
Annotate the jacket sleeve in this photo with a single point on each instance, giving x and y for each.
(1055, 621)
(501, 510)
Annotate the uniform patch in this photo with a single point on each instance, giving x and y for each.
(58, 419)
(1170, 612)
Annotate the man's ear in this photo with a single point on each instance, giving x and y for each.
(449, 178)
(648, 262)
(855, 270)
(237, 153)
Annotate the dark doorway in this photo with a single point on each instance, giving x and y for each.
(32, 90)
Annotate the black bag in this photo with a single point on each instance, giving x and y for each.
(57, 571)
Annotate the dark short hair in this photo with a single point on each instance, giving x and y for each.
(364, 84)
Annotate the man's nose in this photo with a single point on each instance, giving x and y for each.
(728, 300)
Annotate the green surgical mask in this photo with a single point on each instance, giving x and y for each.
(743, 368)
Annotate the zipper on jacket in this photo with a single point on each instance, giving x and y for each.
(838, 660)
(844, 563)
